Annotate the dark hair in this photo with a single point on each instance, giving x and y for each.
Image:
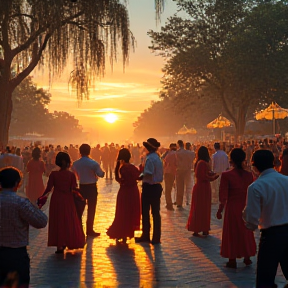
(285, 152)
(18, 152)
(217, 145)
(36, 153)
(180, 143)
(63, 160)
(9, 177)
(263, 159)
(173, 146)
(187, 145)
(85, 149)
(124, 154)
(202, 154)
(237, 156)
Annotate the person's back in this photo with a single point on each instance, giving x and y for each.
(17, 213)
(185, 159)
(220, 161)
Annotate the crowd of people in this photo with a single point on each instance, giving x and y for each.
(240, 177)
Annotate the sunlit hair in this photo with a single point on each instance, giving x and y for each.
(63, 160)
(124, 154)
(9, 177)
(237, 156)
(36, 153)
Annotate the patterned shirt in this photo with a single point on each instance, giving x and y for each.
(16, 214)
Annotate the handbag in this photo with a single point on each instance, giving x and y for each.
(79, 202)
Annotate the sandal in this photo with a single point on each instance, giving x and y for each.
(232, 265)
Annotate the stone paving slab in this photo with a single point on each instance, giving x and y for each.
(180, 261)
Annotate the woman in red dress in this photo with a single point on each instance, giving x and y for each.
(284, 162)
(36, 169)
(65, 228)
(237, 240)
(200, 211)
(128, 207)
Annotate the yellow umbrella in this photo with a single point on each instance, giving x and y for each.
(219, 122)
(185, 131)
(272, 112)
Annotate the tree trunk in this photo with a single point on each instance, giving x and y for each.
(241, 122)
(5, 113)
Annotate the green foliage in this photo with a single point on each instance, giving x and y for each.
(30, 114)
(232, 52)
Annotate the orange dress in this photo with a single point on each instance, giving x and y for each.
(200, 211)
(237, 240)
(35, 187)
(65, 228)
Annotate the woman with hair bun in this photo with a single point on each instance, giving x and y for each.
(128, 209)
(36, 169)
(65, 227)
(237, 240)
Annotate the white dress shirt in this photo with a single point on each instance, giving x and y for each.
(267, 201)
(220, 162)
(87, 170)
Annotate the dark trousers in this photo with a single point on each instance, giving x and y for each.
(89, 192)
(14, 260)
(273, 249)
(151, 195)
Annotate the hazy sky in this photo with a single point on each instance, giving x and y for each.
(125, 94)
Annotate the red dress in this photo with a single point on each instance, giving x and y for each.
(200, 211)
(128, 209)
(65, 228)
(237, 240)
(35, 187)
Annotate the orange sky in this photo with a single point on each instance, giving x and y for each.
(125, 94)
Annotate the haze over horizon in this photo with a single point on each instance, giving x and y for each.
(125, 94)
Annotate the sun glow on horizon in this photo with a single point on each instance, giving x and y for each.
(110, 118)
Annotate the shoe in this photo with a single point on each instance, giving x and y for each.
(247, 261)
(170, 208)
(174, 203)
(180, 207)
(60, 251)
(93, 234)
(155, 242)
(206, 233)
(196, 234)
(232, 265)
(142, 240)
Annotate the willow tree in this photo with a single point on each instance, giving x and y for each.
(53, 32)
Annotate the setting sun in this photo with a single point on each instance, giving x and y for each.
(110, 117)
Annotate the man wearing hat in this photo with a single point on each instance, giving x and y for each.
(151, 193)
(266, 208)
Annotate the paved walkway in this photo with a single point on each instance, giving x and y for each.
(180, 261)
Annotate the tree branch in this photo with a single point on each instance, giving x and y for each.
(35, 59)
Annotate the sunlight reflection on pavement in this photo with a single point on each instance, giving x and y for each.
(180, 261)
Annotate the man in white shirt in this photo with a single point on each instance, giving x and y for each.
(220, 163)
(87, 171)
(267, 206)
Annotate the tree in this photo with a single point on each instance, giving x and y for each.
(30, 115)
(225, 52)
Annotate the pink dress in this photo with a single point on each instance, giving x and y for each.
(65, 228)
(35, 187)
(200, 211)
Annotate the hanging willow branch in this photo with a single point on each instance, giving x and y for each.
(53, 32)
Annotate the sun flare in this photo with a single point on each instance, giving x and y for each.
(110, 117)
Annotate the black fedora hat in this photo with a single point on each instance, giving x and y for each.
(151, 143)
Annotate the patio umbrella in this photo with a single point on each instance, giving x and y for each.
(272, 112)
(185, 131)
(219, 122)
